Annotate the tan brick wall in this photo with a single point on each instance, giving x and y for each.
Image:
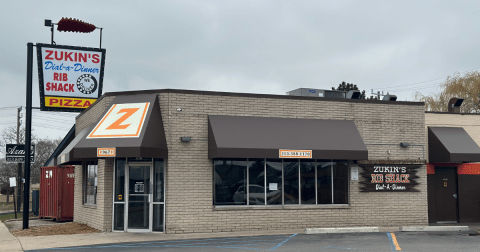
(470, 122)
(189, 171)
(99, 216)
(93, 114)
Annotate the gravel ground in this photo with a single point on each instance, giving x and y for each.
(42, 227)
(66, 229)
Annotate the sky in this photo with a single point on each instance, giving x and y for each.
(264, 47)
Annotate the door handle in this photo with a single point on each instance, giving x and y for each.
(455, 195)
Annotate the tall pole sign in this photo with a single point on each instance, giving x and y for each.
(28, 136)
(70, 79)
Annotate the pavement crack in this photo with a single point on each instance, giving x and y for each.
(21, 246)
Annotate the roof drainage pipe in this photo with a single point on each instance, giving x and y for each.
(423, 146)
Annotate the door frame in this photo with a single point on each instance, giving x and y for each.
(150, 197)
(457, 209)
(151, 203)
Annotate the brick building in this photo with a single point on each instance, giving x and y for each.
(179, 161)
(453, 169)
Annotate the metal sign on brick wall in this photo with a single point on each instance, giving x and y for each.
(389, 178)
(15, 153)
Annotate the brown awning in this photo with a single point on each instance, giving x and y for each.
(149, 142)
(451, 144)
(263, 137)
(66, 156)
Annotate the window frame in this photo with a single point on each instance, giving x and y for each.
(299, 170)
(85, 177)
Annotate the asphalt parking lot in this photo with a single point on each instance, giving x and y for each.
(404, 241)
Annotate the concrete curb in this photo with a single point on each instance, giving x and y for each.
(31, 218)
(434, 228)
(341, 230)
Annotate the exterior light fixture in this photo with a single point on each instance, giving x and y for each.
(179, 109)
(404, 144)
(186, 139)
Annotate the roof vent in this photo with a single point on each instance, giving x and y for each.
(353, 94)
(389, 97)
(454, 105)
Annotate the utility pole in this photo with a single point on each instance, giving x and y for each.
(19, 165)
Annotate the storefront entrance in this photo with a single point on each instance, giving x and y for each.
(446, 195)
(143, 184)
(139, 198)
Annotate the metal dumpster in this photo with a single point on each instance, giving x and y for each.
(56, 192)
(35, 202)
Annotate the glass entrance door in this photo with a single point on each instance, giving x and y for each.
(139, 195)
(139, 198)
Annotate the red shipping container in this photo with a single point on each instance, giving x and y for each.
(56, 192)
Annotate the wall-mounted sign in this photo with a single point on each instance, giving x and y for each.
(389, 178)
(295, 153)
(15, 153)
(121, 120)
(354, 173)
(106, 152)
(70, 78)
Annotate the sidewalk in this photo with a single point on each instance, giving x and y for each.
(8, 242)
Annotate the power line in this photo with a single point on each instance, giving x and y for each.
(5, 108)
(49, 126)
(415, 88)
(426, 81)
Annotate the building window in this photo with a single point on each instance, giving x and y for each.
(280, 182)
(230, 182)
(90, 170)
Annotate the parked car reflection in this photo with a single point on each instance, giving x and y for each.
(257, 195)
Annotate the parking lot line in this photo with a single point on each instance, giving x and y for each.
(393, 241)
(280, 244)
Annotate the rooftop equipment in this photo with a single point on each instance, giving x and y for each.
(317, 93)
(454, 105)
(389, 97)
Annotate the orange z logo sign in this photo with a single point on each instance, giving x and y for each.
(121, 120)
(117, 124)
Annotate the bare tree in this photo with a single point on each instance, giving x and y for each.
(43, 150)
(465, 86)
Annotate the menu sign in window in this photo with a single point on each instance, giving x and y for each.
(389, 178)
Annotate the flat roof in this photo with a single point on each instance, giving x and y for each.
(271, 96)
(450, 113)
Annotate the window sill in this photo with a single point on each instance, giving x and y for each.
(90, 206)
(294, 207)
